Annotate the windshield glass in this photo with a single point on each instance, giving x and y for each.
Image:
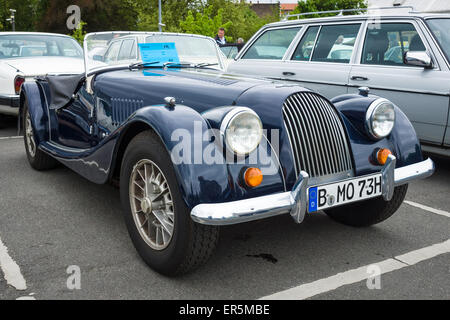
(118, 49)
(27, 46)
(441, 30)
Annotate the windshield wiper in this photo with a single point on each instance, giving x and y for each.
(140, 65)
(205, 65)
(177, 65)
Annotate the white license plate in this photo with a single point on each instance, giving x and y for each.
(344, 192)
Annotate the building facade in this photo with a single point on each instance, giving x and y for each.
(429, 6)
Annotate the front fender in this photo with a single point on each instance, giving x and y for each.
(403, 140)
(200, 180)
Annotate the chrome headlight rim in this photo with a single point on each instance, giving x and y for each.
(229, 118)
(371, 111)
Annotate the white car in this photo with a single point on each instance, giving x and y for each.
(26, 55)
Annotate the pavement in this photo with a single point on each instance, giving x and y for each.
(54, 224)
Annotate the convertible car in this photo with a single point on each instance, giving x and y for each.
(193, 148)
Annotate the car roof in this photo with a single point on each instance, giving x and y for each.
(34, 34)
(343, 18)
(143, 34)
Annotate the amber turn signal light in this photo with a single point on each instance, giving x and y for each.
(383, 155)
(253, 177)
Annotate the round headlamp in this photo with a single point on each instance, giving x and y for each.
(380, 118)
(243, 131)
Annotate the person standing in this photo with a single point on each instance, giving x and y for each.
(220, 38)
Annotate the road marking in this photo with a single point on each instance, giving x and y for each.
(11, 270)
(26, 298)
(10, 138)
(312, 289)
(436, 211)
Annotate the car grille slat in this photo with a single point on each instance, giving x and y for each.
(317, 142)
(304, 147)
(329, 135)
(325, 134)
(300, 122)
(317, 136)
(338, 150)
(334, 124)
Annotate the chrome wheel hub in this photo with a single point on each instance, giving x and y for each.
(146, 206)
(151, 204)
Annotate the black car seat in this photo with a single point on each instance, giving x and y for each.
(416, 44)
(377, 45)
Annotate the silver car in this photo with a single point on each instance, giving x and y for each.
(404, 58)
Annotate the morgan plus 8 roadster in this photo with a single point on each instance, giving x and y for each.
(194, 148)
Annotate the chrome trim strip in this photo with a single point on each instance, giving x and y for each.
(296, 202)
(418, 171)
(221, 214)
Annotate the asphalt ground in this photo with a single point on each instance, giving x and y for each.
(50, 221)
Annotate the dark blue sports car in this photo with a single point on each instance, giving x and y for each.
(193, 148)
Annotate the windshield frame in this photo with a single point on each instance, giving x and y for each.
(103, 69)
(435, 38)
(43, 37)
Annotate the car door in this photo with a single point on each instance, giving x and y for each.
(75, 123)
(127, 52)
(421, 93)
(322, 59)
(264, 56)
(112, 53)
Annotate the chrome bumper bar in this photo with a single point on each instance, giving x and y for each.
(296, 201)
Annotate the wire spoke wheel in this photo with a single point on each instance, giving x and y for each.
(29, 136)
(152, 204)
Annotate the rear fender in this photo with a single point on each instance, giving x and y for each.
(33, 94)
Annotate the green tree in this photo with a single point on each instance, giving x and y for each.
(245, 22)
(79, 33)
(26, 14)
(205, 23)
(174, 11)
(328, 5)
(100, 15)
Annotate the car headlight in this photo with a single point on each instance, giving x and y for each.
(242, 130)
(380, 118)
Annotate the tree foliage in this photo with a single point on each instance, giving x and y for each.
(328, 5)
(27, 13)
(194, 16)
(79, 33)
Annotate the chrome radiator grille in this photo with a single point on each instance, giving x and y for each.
(317, 136)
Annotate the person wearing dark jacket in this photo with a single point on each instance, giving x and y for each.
(220, 38)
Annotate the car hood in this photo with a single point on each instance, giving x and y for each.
(38, 66)
(198, 89)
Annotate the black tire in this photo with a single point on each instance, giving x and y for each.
(370, 212)
(38, 159)
(192, 244)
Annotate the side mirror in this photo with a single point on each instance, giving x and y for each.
(98, 57)
(418, 59)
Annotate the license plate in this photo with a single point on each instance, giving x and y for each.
(344, 192)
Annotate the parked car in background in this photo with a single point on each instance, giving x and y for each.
(231, 50)
(25, 55)
(193, 148)
(403, 57)
(125, 49)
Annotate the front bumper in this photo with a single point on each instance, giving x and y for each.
(296, 201)
(9, 104)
